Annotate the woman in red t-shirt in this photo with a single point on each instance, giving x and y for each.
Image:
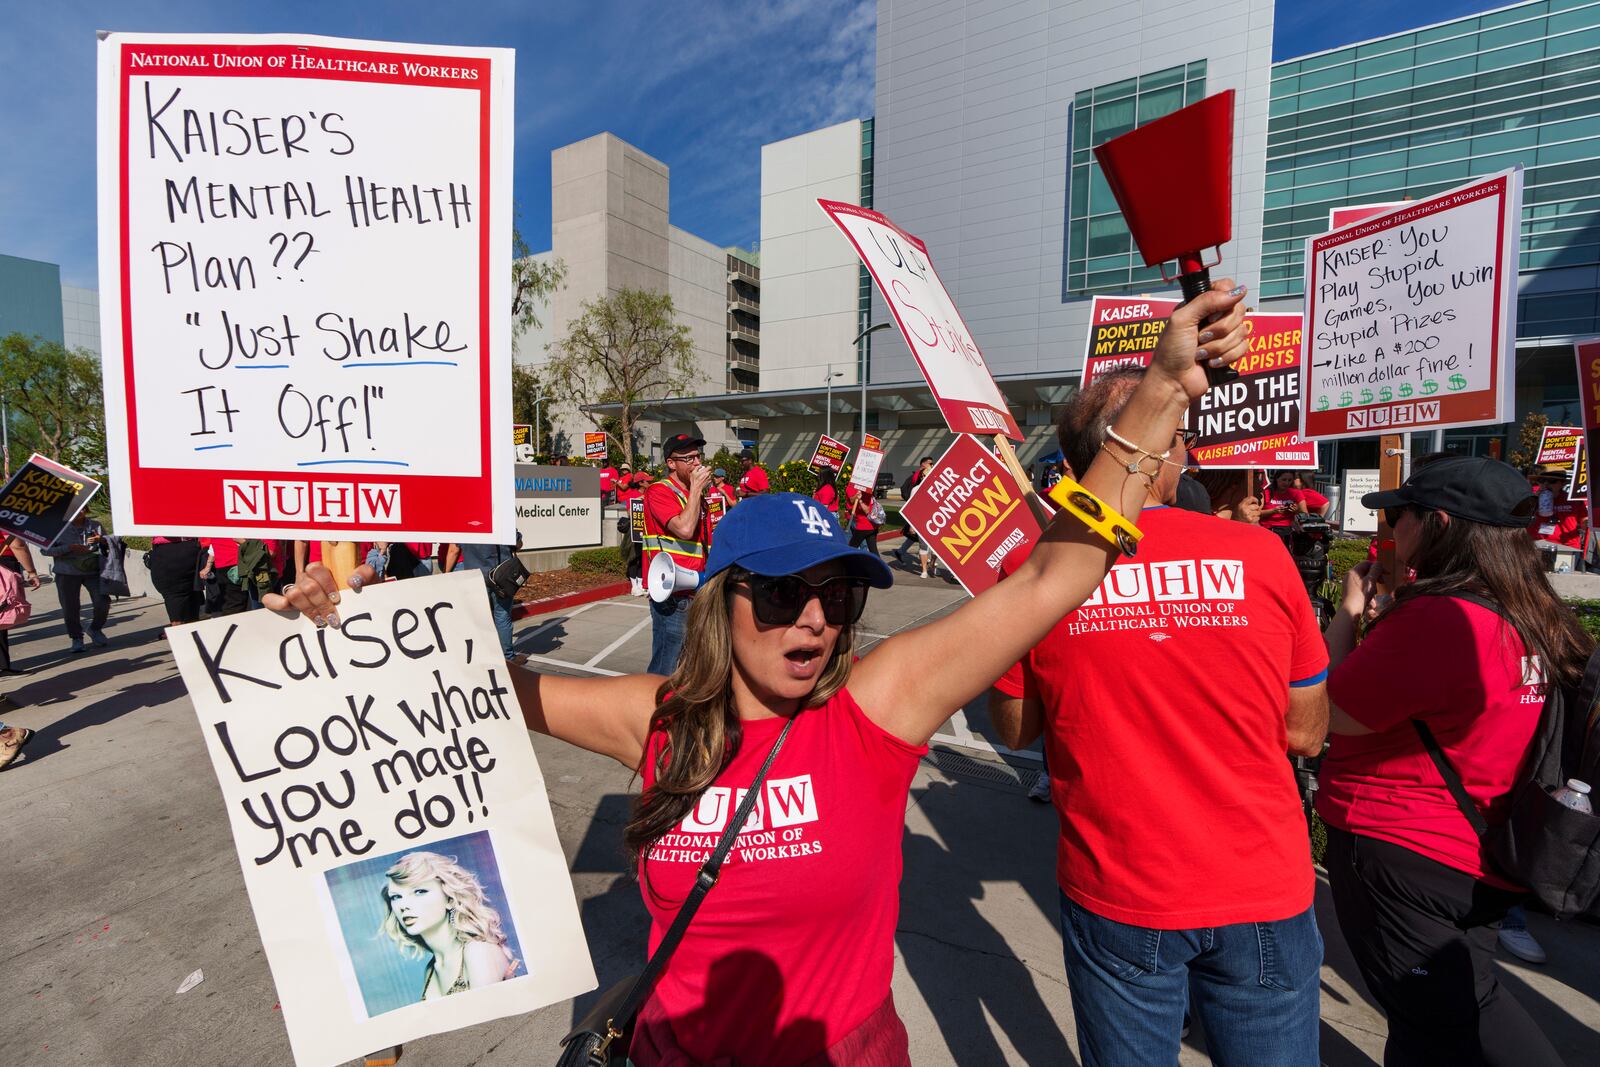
(857, 518)
(1417, 899)
(789, 960)
(827, 493)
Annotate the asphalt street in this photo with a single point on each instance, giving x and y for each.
(121, 879)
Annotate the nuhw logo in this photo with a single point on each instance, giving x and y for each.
(1178, 579)
(272, 501)
(783, 802)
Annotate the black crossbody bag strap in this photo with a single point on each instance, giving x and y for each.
(703, 882)
(1452, 780)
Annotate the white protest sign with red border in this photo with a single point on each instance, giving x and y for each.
(970, 511)
(1411, 315)
(302, 243)
(864, 472)
(1340, 217)
(944, 349)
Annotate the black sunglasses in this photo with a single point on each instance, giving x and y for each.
(778, 601)
(1392, 515)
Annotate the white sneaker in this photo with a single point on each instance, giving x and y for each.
(638, 588)
(1523, 945)
(1040, 790)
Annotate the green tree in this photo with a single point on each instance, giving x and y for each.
(526, 385)
(54, 401)
(531, 284)
(623, 349)
(1526, 454)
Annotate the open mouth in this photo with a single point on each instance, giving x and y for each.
(802, 661)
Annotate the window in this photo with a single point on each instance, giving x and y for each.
(1099, 251)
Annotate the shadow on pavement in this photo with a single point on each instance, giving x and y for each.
(940, 923)
(619, 910)
(139, 695)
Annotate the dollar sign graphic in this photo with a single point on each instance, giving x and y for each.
(1430, 387)
(1385, 394)
(1458, 381)
(1405, 390)
(1322, 403)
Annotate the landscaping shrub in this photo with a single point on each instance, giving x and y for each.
(597, 561)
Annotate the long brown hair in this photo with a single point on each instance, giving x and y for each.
(696, 711)
(1500, 563)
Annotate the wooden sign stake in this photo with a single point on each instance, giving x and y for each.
(1008, 456)
(340, 558)
(1391, 473)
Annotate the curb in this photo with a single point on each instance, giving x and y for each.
(532, 608)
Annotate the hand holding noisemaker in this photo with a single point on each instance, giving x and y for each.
(1173, 180)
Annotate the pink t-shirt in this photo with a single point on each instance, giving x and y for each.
(794, 948)
(1455, 666)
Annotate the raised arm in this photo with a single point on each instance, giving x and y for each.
(610, 716)
(913, 682)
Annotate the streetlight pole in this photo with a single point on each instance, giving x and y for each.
(857, 341)
(538, 400)
(828, 381)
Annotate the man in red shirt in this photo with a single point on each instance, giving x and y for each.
(1170, 702)
(753, 482)
(675, 522)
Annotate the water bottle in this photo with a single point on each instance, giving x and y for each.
(1574, 795)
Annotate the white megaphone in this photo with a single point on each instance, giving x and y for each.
(666, 577)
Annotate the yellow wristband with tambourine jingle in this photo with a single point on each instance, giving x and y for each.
(1097, 515)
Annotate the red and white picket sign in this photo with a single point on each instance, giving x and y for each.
(970, 511)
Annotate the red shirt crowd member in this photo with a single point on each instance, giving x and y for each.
(1559, 519)
(1169, 703)
(676, 523)
(858, 518)
(788, 962)
(827, 493)
(753, 480)
(1463, 652)
(1282, 500)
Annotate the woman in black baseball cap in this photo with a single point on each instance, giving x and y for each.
(1463, 653)
(772, 733)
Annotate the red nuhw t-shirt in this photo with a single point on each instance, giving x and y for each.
(1165, 697)
(1453, 665)
(794, 948)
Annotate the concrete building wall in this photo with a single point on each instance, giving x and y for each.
(80, 318)
(973, 103)
(809, 272)
(698, 285)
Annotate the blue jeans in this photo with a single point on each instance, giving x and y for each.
(668, 623)
(500, 611)
(1255, 987)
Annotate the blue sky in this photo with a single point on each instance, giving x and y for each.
(699, 85)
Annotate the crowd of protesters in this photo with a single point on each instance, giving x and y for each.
(1170, 689)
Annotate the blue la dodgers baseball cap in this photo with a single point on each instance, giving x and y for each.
(784, 533)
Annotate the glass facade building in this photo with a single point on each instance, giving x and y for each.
(1100, 253)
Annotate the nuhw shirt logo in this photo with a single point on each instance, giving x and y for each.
(779, 826)
(1167, 595)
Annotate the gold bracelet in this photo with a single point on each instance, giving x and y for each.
(1097, 515)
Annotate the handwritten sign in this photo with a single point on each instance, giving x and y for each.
(944, 349)
(970, 511)
(360, 765)
(829, 453)
(594, 446)
(302, 243)
(864, 475)
(42, 498)
(1254, 421)
(1123, 331)
(1411, 315)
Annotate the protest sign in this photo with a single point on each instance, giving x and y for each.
(1254, 421)
(42, 498)
(636, 520)
(830, 453)
(1578, 484)
(968, 511)
(1356, 518)
(558, 507)
(594, 446)
(1340, 217)
(1588, 355)
(1123, 331)
(1411, 315)
(522, 441)
(357, 763)
(944, 349)
(871, 441)
(716, 508)
(302, 243)
(864, 475)
(1559, 449)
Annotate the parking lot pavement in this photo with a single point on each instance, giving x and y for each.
(121, 879)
